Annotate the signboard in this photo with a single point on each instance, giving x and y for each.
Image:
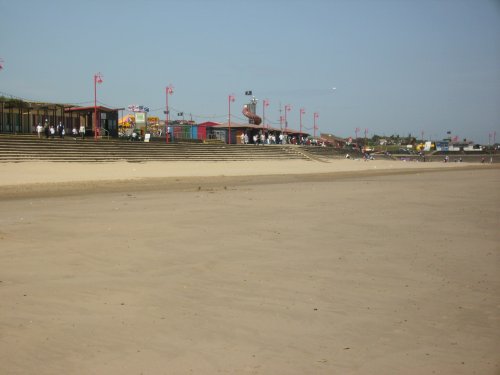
(140, 118)
(153, 120)
(147, 137)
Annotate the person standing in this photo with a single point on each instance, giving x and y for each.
(39, 130)
(82, 131)
(46, 128)
(52, 131)
(61, 130)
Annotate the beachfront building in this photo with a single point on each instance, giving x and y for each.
(221, 131)
(107, 123)
(19, 116)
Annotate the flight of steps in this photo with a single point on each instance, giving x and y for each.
(30, 148)
(328, 152)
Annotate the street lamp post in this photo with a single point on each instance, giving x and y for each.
(169, 90)
(230, 99)
(97, 79)
(265, 103)
(316, 115)
(357, 131)
(288, 108)
(302, 111)
(366, 133)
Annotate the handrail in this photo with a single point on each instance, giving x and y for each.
(105, 131)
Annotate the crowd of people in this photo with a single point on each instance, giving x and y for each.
(51, 131)
(281, 139)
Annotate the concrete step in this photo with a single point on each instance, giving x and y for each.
(17, 149)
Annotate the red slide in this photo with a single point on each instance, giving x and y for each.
(254, 119)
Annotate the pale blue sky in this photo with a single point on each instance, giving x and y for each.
(399, 66)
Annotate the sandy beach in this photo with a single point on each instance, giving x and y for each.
(53, 179)
(280, 267)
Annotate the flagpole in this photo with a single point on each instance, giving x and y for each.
(316, 115)
(230, 99)
(265, 103)
(97, 79)
(302, 111)
(287, 109)
(169, 90)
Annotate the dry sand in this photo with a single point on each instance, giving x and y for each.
(292, 267)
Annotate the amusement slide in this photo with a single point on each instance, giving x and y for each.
(254, 119)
